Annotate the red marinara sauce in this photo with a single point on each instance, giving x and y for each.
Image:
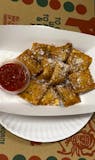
(14, 77)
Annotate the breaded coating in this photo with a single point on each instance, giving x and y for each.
(61, 52)
(60, 71)
(50, 98)
(48, 67)
(41, 50)
(78, 61)
(58, 74)
(28, 59)
(69, 97)
(34, 92)
(82, 81)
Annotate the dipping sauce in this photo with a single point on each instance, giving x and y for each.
(14, 77)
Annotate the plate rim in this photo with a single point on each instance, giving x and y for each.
(44, 26)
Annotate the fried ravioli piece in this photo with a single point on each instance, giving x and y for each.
(78, 61)
(61, 52)
(45, 50)
(38, 46)
(34, 92)
(69, 97)
(28, 59)
(48, 67)
(41, 50)
(50, 98)
(60, 71)
(82, 81)
(40, 78)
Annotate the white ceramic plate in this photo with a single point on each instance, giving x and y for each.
(44, 129)
(16, 39)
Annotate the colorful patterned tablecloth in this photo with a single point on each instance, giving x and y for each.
(76, 15)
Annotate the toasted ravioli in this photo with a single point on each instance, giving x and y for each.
(82, 81)
(58, 74)
(48, 67)
(69, 97)
(39, 46)
(40, 78)
(50, 98)
(41, 50)
(28, 59)
(78, 61)
(34, 92)
(60, 71)
(61, 52)
(45, 50)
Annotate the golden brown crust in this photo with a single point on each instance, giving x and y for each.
(63, 67)
(82, 81)
(78, 61)
(50, 98)
(59, 75)
(34, 92)
(61, 52)
(69, 97)
(28, 59)
(44, 50)
(48, 67)
(40, 50)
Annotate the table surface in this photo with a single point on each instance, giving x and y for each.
(71, 15)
